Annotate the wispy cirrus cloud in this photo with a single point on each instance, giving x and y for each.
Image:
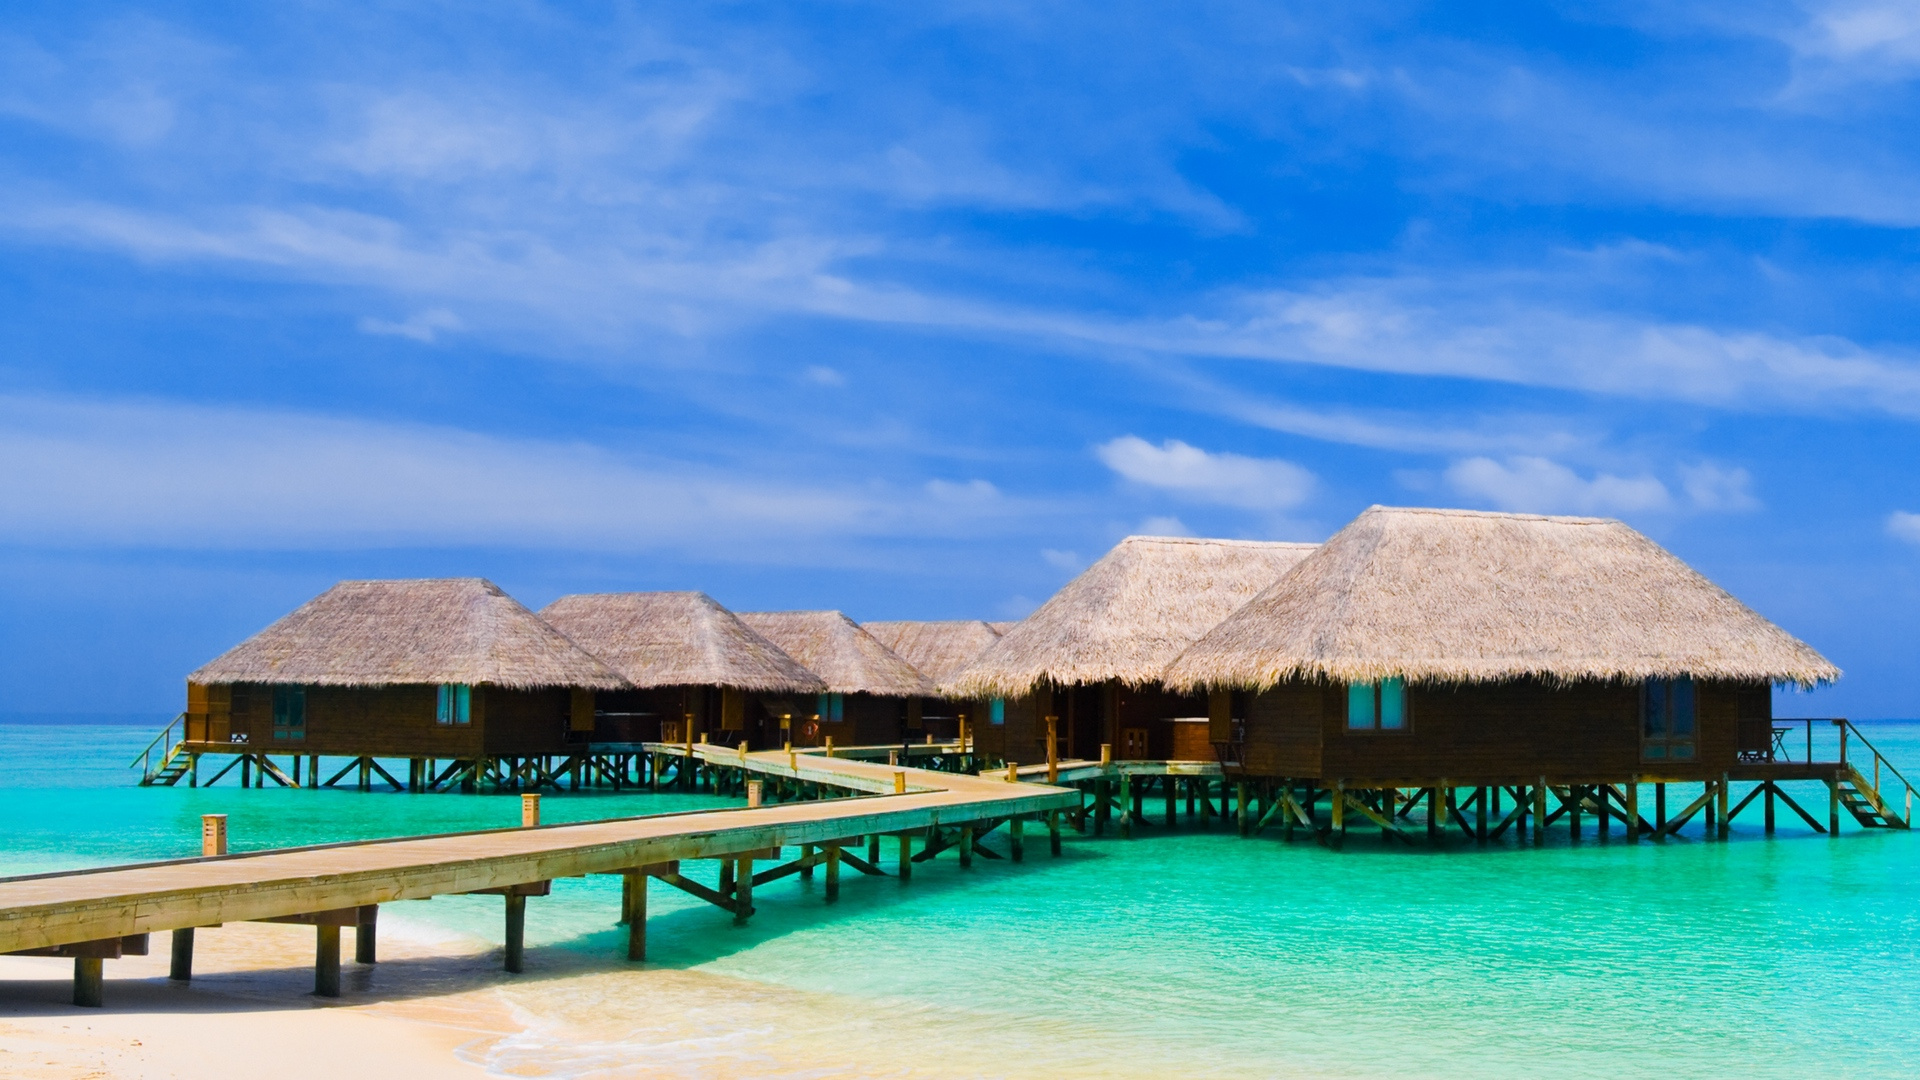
(1210, 477)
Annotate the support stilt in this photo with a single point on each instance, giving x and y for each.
(364, 948)
(833, 872)
(88, 975)
(906, 857)
(1053, 831)
(634, 899)
(516, 934)
(1015, 840)
(181, 970)
(326, 961)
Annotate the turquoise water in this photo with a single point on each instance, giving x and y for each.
(1169, 955)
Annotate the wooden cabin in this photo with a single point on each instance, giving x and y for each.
(449, 668)
(1419, 646)
(940, 650)
(871, 696)
(692, 668)
(1092, 655)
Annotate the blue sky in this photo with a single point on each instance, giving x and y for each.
(913, 310)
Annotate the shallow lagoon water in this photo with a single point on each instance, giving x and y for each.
(1182, 954)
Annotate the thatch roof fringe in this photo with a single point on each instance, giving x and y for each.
(939, 649)
(835, 648)
(1128, 615)
(385, 633)
(1461, 596)
(677, 639)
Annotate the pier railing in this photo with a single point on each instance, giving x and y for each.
(1850, 733)
(164, 743)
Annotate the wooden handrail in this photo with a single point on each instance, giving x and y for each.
(144, 758)
(1879, 759)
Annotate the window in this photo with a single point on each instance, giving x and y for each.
(1380, 706)
(833, 708)
(997, 711)
(1666, 720)
(289, 713)
(455, 706)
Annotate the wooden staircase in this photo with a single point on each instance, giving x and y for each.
(1860, 798)
(173, 762)
(171, 768)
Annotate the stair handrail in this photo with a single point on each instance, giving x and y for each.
(144, 760)
(1848, 727)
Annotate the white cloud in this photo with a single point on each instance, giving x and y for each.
(1162, 526)
(1230, 479)
(825, 376)
(972, 492)
(1904, 526)
(422, 327)
(1538, 485)
(1712, 487)
(153, 474)
(1064, 560)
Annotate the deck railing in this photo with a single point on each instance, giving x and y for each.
(163, 742)
(1848, 732)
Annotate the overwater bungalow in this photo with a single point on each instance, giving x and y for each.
(451, 670)
(691, 666)
(940, 650)
(871, 696)
(1092, 656)
(1449, 647)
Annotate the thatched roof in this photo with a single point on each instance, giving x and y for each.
(677, 639)
(1001, 628)
(382, 633)
(1128, 615)
(1454, 596)
(848, 659)
(938, 649)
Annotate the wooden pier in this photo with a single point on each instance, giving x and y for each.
(93, 915)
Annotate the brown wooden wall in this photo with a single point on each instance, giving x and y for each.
(1512, 732)
(387, 721)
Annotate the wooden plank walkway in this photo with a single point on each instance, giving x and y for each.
(105, 905)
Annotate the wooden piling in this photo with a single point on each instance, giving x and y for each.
(516, 933)
(906, 857)
(1339, 808)
(326, 961)
(1167, 789)
(633, 896)
(966, 846)
(1053, 831)
(1833, 808)
(1014, 839)
(1725, 825)
(1768, 784)
(1540, 812)
(1126, 806)
(1573, 813)
(833, 872)
(1240, 807)
(743, 891)
(88, 976)
(181, 969)
(365, 947)
(806, 862)
(1633, 807)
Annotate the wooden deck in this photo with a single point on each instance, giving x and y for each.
(96, 910)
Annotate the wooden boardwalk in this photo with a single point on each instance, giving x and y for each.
(97, 914)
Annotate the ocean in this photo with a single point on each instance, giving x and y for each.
(1175, 954)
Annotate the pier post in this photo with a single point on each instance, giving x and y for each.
(88, 972)
(1167, 786)
(1540, 813)
(365, 950)
(366, 774)
(1573, 813)
(635, 901)
(516, 936)
(1191, 781)
(873, 849)
(1725, 825)
(833, 872)
(1833, 808)
(1339, 810)
(193, 770)
(1768, 784)
(326, 961)
(1240, 806)
(1480, 815)
(1633, 807)
(1053, 831)
(906, 857)
(966, 846)
(181, 969)
(806, 862)
(1126, 806)
(1053, 750)
(246, 771)
(1014, 839)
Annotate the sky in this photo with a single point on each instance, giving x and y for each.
(913, 310)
